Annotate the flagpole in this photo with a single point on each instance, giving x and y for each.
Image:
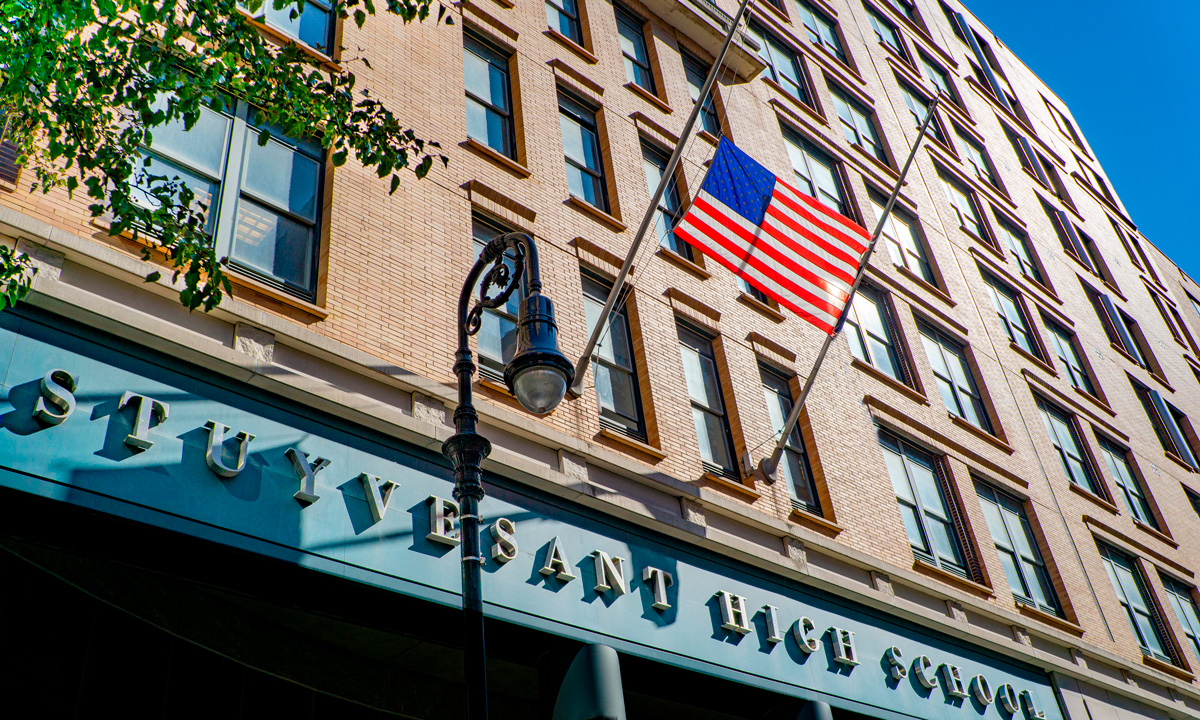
(769, 465)
(668, 173)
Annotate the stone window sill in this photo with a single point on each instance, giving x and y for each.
(596, 213)
(981, 433)
(1094, 498)
(1156, 534)
(891, 382)
(649, 97)
(950, 578)
(632, 443)
(1053, 620)
(743, 492)
(926, 285)
(1033, 359)
(248, 283)
(753, 302)
(676, 259)
(1168, 668)
(497, 157)
(815, 522)
(571, 45)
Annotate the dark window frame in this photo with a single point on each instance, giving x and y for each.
(946, 344)
(614, 420)
(1090, 481)
(1114, 559)
(703, 344)
(502, 62)
(777, 387)
(1022, 563)
(585, 116)
(636, 26)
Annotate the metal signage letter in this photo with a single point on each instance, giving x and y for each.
(954, 682)
(216, 449)
(801, 629)
(658, 580)
(1031, 711)
(504, 534)
(610, 573)
(733, 613)
(982, 690)
(921, 667)
(1007, 698)
(895, 660)
(843, 647)
(771, 615)
(145, 409)
(556, 563)
(57, 390)
(306, 473)
(377, 494)
(442, 514)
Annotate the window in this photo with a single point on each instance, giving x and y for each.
(1018, 243)
(821, 30)
(1131, 593)
(632, 30)
(816, 175)
(1119, 466)
(977, 159)
(1012, 316)
(782, 65)
(1067, 236)
(1184, 603)
(1095, 259)
(581, 146)
(1123, 331)
(870, 335)
(1172, 320)
(903, 244)
(654, 163)
(794, 466)
(904, 7)
(1056, 183)
(1172, 427)
(497, 337)
(275, 188)
(10, 169)
(563, 17)
(1064, 125)
(954, 378)
(1194, 499)
(886, 32)
(918, 107)
(857, 125)
(489, 104)
(1091, 177)
(614, 370)
(931, 528)
(1060, 426)
(939, 78)
(1063, 341)
(696, 74)
(964, 208)
(708, 407)
(1029, 159)
(1023, 566)
(1195, 303)
(752, 291)
(313, 26)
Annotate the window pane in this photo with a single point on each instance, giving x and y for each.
(563, 16)
(201, 148)
(310, 28)
(710, 430)
(281, 176)
(274, 244)
(206, 192)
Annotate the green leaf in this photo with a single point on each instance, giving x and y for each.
(395, 184)
(153, 277)
(264, 137)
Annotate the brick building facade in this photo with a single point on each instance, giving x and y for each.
(1001, 452)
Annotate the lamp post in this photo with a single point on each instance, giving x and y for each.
(538, 375)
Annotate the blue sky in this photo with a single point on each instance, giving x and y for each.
(1130, 73)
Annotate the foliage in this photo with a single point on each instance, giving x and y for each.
(16, 275)
(85, 83)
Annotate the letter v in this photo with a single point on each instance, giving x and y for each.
(377, 494)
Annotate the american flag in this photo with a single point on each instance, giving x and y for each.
(788, 245)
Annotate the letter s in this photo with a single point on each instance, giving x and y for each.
(57, 388)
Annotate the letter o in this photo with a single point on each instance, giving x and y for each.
(982, 690)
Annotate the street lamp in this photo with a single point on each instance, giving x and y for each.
(538, 375)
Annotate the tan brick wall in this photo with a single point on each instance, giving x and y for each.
(393, 265)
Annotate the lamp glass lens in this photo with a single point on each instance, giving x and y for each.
(540, 389)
